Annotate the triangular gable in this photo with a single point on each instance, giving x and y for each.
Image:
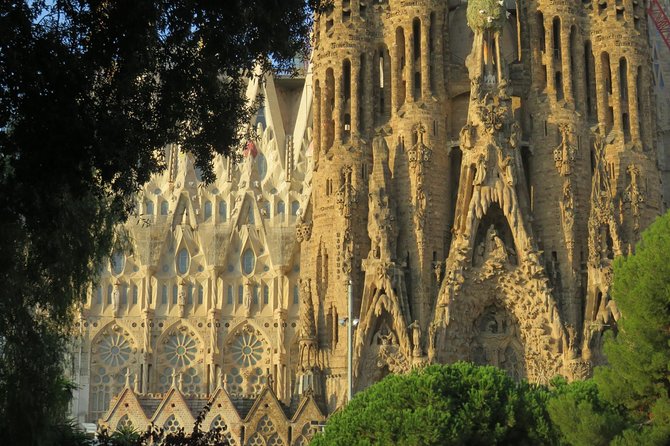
(173, 404)
(126, 404)
(307, 410)
(222, 405)
(267, 408)
(267, 404)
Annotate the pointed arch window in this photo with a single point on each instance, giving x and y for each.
(164, 207)
(248, 261)
(295, 207)
(296, 295)
(183, 260)
(281, 208)
(117, 262)
(208, 210)
(149, 206)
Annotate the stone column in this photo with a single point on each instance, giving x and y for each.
(280, 356)
(368, 108)
(409, 66)
(601, 90)
(616, 95)
(317, 117)
(325, 116)
(396, 79)
(580, 73)
(337, 112)
(355, 93)
(566, 62)
(425, 58)
(549, 56)
(634, 115)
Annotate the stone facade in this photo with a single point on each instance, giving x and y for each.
(477, 167)
(472, 171)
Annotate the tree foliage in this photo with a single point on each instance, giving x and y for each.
(443, 405)
(90, 92)
(582, 416)
(638, 372)
(626, 403)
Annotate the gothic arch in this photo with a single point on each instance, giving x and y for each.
(180, 352)
(496, 336)
(246, 359)
(525, 297)
(114, 353)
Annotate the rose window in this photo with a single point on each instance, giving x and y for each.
(114, 350)
(181, 350)
(247, 350)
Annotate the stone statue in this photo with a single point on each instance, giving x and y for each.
(480, 174)
(115, 297)
(416, 338)
(515, 135)
(246, 298)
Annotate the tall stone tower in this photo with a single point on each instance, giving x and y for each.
(477, 167)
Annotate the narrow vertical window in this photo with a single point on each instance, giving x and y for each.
(266, 294)
(201, 294)
(175, 294)
(296, 295)
(135, 293)
(208, 210)
(240, 295)
(183, 260)
(229, 295)
(164, 295)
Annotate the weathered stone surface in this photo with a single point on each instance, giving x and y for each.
(474, 187)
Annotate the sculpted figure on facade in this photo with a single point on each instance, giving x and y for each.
(449, 237)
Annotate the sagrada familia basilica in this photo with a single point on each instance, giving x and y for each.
(469, 170)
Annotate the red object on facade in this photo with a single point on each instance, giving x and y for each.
(250, 149)
(660, 19)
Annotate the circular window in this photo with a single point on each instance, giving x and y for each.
(183, 260)
(248, 261)
(247, 350)
(181, 350)
(118, 262)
